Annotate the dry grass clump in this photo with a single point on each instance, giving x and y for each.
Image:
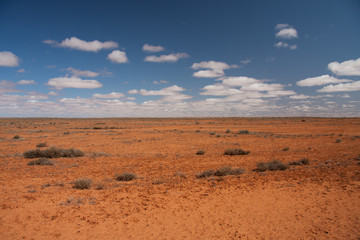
(303, 161)
(82, 183)
(222, 171)
(126, 176)
(16, 137)
(243, 132)
(270, 166)
(41, 161)
(53, 152)
(41, 145)
(200, 152)
(235, 151)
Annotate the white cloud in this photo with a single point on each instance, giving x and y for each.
(287, 33)
(7, 86)
(118, 56)
(262, 87)
(73, 82)
(171, 94)
(239, 81)
(80, 73)
(160, 82)
(78, 44)
(285, 45)
(52, 93)
(209, 73)
(300, 96)
(151, 48)
(347, 68)
(25, 82)
(8, 59)
(212, 65)
(173, 57)
(282, 26)
(21, 70)
(321, 80)
(342, 87)
(110, 95)
(215, 69)
(246, 61)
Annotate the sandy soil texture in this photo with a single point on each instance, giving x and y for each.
(168, 199)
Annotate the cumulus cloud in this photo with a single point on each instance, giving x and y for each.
(160, 82)
(81, 73)
(347, 68)
(8, 59)
(299, 97)
(285, 45)
(321, 80)
(287, 32)
(151, 48)
(173, 57)
(73, 82)
(78, 44)
(239, 81)
(52, 93)
(215, 73)
(342, 87)
(171, 94)
(7, 86)
(118, 56)
(25, 82)
(215, 69)
(110, 95)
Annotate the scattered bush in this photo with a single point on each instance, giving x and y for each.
(41, 145)
(180, 174)
(53, 152)
(270, 166)
(236, 151)
(41, 161)
(286, 149)
(227, 131)
(205, 174)
(338, 140)
(222, 171)
(303, 161)
(126, 176)
(243, 132)
(16, 137)
(227, 170)
(212, 133)
(200, 152)
(82, 183)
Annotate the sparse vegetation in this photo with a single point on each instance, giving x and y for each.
(243, 132)
(41, 161)
(286, 149)
(235, 151)
(126, 176)
(338, 140)
(16, 137)
(53, 152)
(41, 145)
(227, 131)
(200, 152)
(82, 183)
(303, 161)
(222, 171)
(212, 133)
(270, 166)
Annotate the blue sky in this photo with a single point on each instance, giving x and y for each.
(179, 58)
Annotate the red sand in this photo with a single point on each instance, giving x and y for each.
(316, 201)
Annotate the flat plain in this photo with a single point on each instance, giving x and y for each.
(315, 196)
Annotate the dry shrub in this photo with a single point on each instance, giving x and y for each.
(82, 183)
(126, 176)
(53, 152)
(270, 166)
(41, 161)
(235, 151)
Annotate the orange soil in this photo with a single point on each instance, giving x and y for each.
(316, 201)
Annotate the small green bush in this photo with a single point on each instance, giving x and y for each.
(82, 183)
(270, 166)
(126, 176)
(236, 151)
(41, 161)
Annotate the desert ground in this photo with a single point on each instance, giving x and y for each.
(317, 196)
